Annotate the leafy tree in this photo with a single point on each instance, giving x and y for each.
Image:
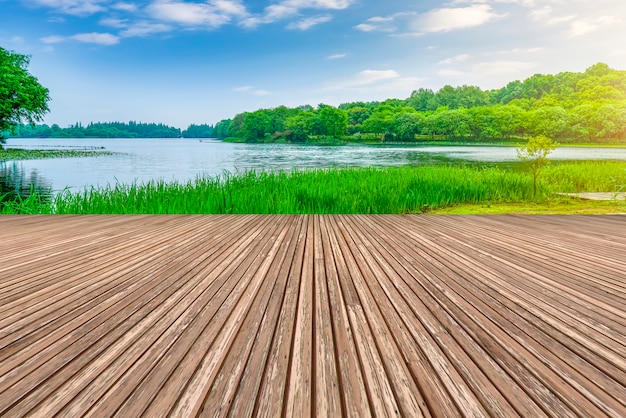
(333, 121)
(550, 121)
(222, 127)
(422, 100)
(453, 124)
(300, 126)
(357, 115)
(512, 91)
(409, 124)
(199, 131)
(381, 121)
(508, 120)
(22, 98)
(535, 154)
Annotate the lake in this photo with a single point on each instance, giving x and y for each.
(143, 160)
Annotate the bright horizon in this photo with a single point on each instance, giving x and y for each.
(183, 62)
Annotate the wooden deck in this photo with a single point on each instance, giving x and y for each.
(313, 316)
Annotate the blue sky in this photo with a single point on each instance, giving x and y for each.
(195, 61)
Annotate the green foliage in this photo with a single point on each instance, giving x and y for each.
(22, 98)
(333, 122)
(570, 107)
(199, 131)
(222, 128)
(408, 125)
(535, 154)
(131, 129)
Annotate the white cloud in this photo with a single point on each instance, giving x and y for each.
(96, 38)
(125, 7)
(336, 56)
(73, 7)
(545, 15)
(53, 39)
(458, 58)
(251, 90)
(373, 76)
(212, 14)
(309, 22)
(582, 27)
(90, 38)
(56, 19)
(319, 4)
(445, 20)
(114, 23)
(377, 24)
(144, 29)
(289, 8)
(276, 12)
(519, 50)
(230, 7)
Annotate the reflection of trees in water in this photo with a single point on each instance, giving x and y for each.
(14, 182)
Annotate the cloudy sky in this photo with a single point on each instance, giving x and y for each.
(195, 61)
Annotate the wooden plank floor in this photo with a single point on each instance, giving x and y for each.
(346, 315)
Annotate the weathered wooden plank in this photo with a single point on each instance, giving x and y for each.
(339, 315)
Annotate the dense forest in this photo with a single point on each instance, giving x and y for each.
(569, 107)
(115, 130)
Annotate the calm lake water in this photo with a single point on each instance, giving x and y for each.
(143, 160)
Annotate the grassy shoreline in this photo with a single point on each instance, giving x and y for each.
(427, 142)
(406, 189)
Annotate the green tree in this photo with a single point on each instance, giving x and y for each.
(535, 154)
(550, 121)
(422, 100)
(333, 121)
(22, 98)
(381, 121)
(300, 127)
(221, 128)
(409, 124)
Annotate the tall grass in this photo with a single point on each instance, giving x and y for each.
(351, 190)
(585, 176)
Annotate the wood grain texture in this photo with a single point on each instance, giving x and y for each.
(313, 315)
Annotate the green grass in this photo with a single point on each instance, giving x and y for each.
(12, 154)
(352, 190)
(585, 176)
(557, 206)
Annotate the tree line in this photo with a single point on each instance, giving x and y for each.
(114, 130)
(589, 106)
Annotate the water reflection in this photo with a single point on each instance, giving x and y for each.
(16, 183)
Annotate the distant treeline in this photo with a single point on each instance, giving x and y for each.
(568, 107)
(115, 130)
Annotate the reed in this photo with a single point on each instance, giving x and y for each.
(390, 190)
